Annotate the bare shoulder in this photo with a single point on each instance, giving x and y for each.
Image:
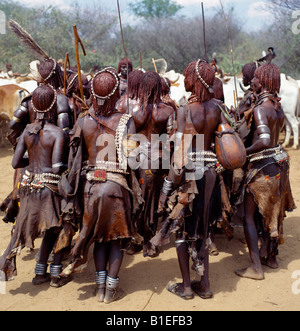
(54, 130)
(263, 109)
(166, 108)
(215, 104)
(260, 114)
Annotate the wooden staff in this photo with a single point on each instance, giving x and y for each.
(204, 37)
(67, 62)
(77, 41)
(140, 60)
(124, 48)
(154, 64)
(231, 53)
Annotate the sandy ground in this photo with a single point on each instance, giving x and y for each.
(144, 280)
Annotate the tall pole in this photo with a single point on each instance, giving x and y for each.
(67, 61)
(77, 41)
(123, 43)
(154, 64)
(141, 66)
(204, 37)
(231, 53)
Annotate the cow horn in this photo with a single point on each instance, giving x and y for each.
(174, 81)
(242, 87)
(164, 66)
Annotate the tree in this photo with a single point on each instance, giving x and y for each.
(149, 9)
(284, 39)
(52, 29)
(177, 39)
(286, 4)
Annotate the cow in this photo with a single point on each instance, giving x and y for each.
(177, 90)
(7, 81)
(11, 96)
(232, 96)
(289, 94)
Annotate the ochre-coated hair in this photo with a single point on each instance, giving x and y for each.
(207, 73)
(218, 89)
(73, 84)
(248, 71)
(42, 98)
(103, 84)
(124, 62)
(57, 78)
(165, 86)
(150, 90)
(134, 82)
(269, 77)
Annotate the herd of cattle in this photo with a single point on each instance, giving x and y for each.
(12, 91)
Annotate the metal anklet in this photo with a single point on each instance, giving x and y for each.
(100, 277)
(41, 269)
(55, 270)
(112, 283)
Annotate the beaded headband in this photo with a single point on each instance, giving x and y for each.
(104, 98)
(210, 88)
(72, 80)
(50, 107)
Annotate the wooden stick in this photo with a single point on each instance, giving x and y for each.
(124, 48)
(234, 98)
(75, 96)
(154, 64)
(67, 62)
(77, 41)
(141, 60)
(204, 37)
(231, 51)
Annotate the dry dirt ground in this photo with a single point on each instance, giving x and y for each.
(144, 280)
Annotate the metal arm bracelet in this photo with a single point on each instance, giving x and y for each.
(168, 187)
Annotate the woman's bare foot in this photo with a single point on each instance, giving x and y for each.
(250, 273)
(270, 262)
(202, 289)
